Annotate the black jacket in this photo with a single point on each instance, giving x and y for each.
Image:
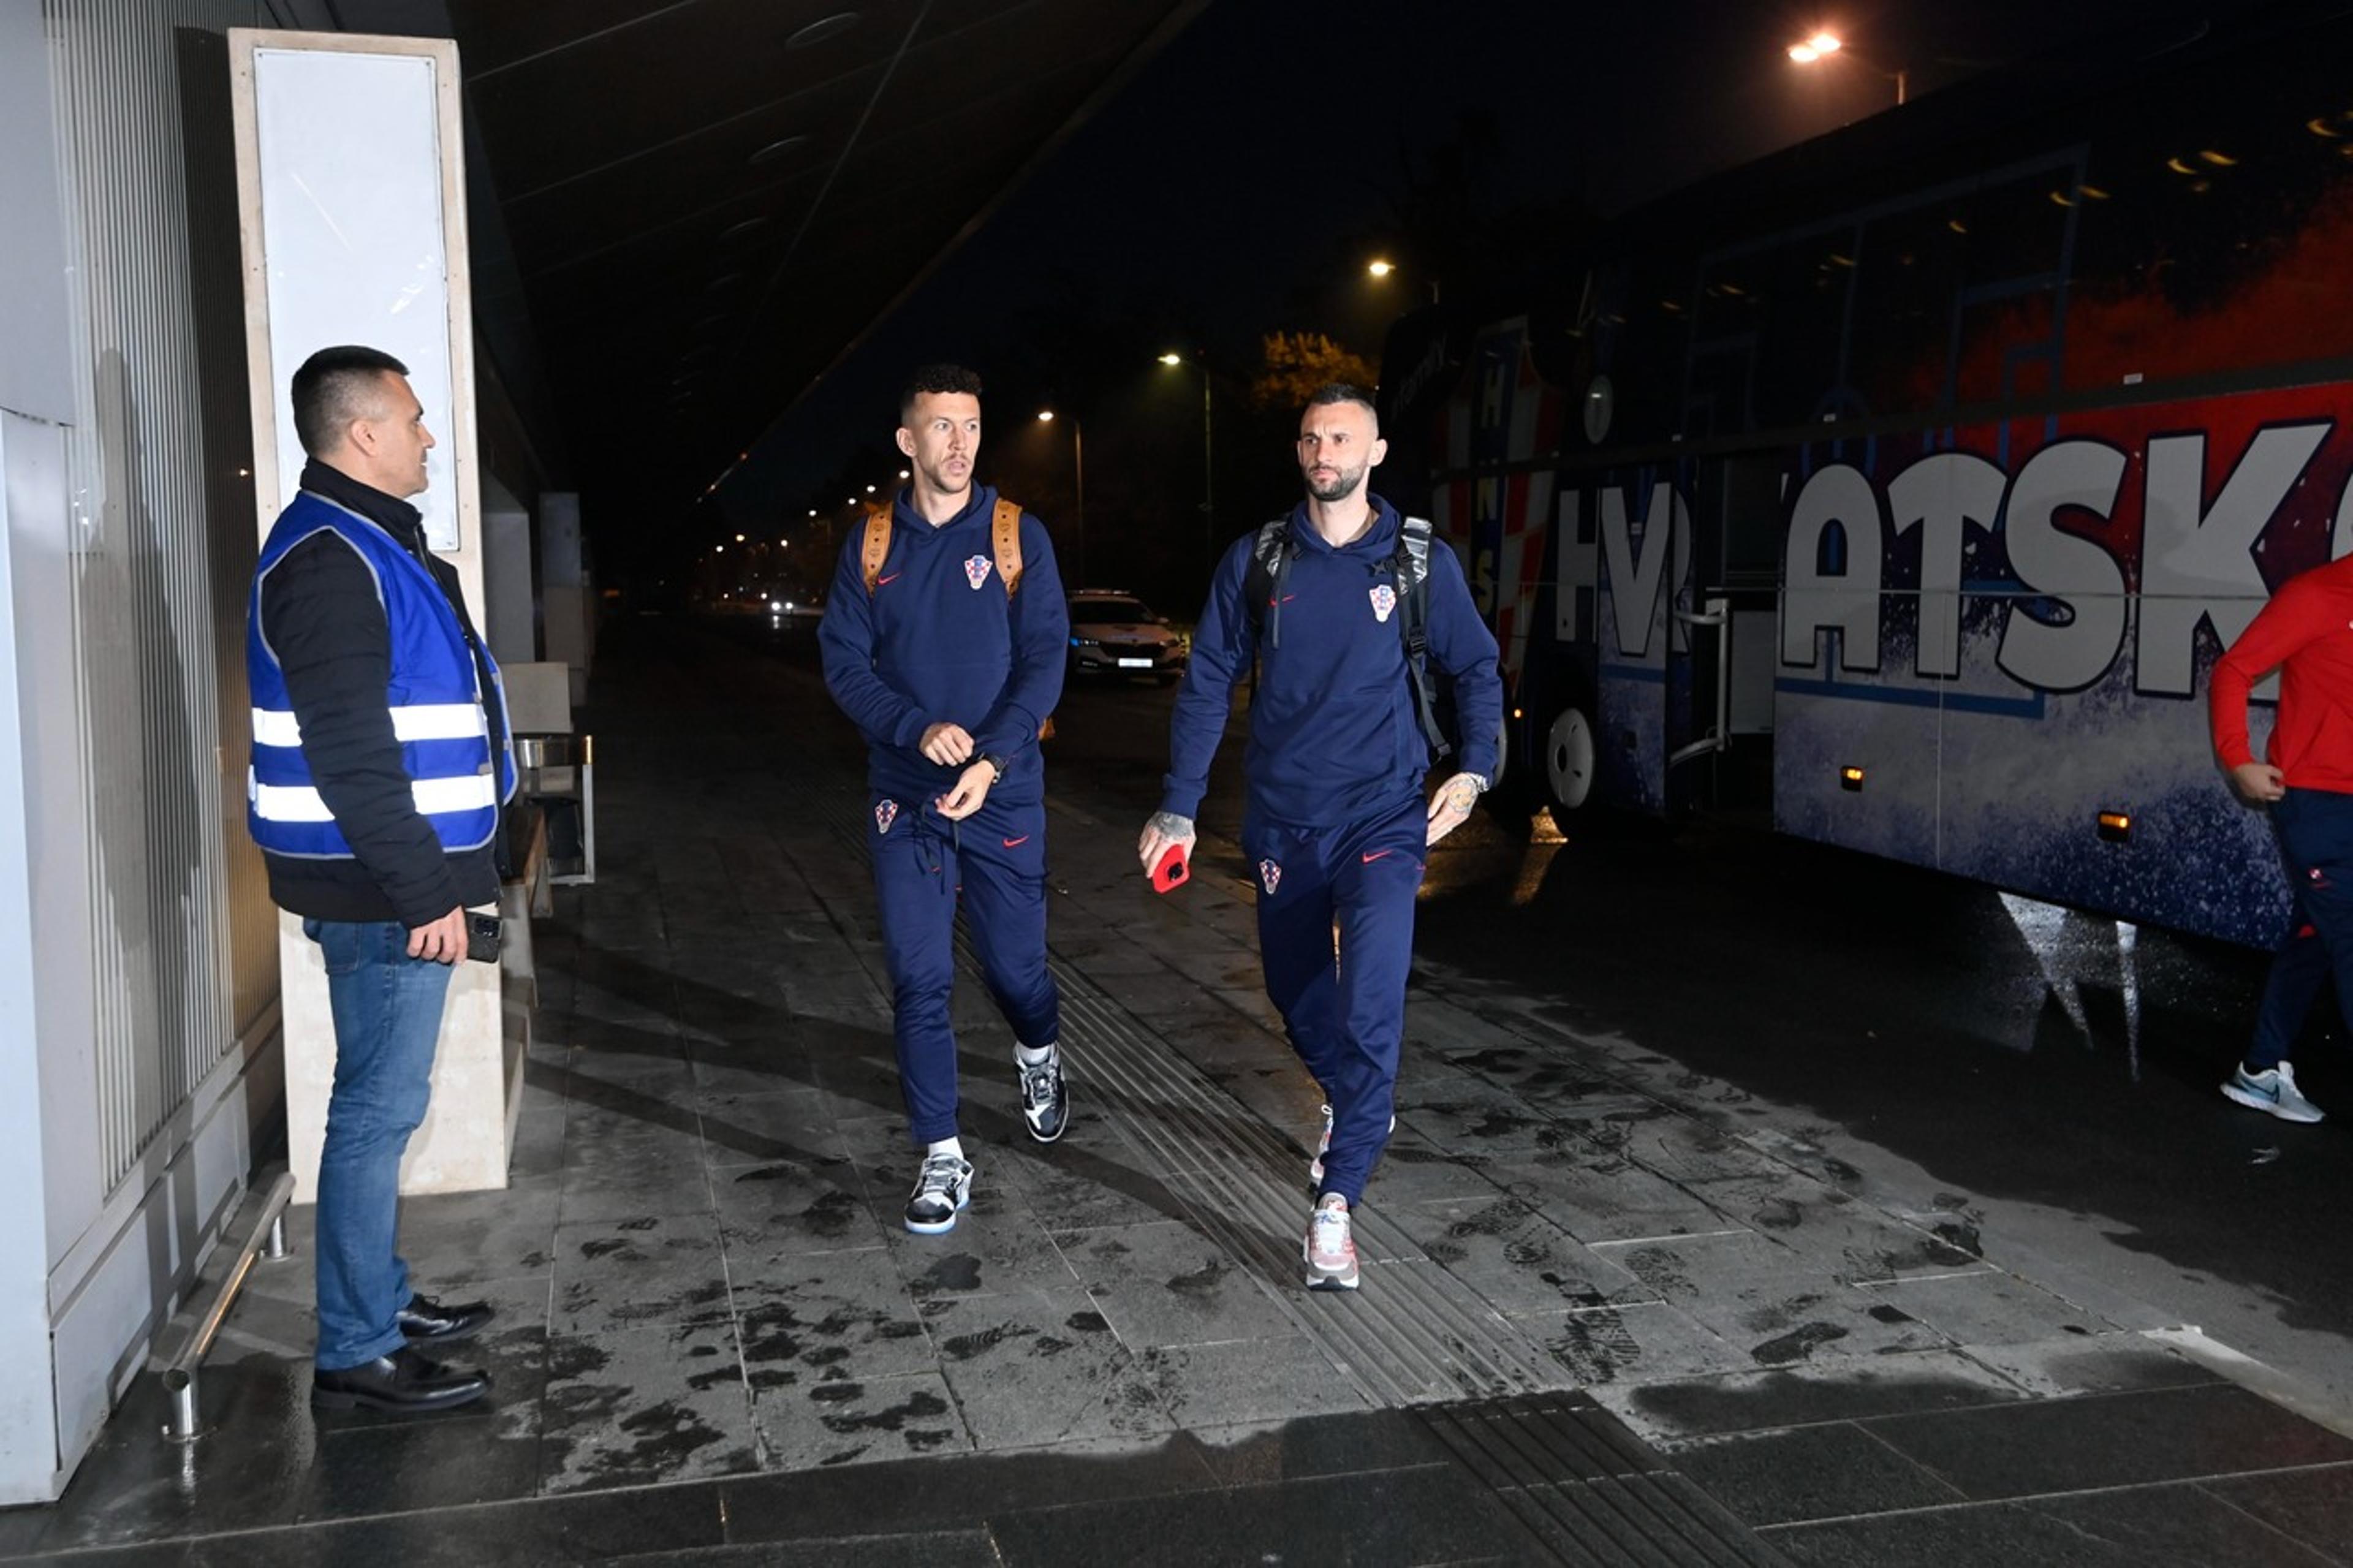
(321, 615)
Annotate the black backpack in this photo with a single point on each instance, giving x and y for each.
(1272, 554)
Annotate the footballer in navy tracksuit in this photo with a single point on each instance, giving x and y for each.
(1336, 825)
(950, 678)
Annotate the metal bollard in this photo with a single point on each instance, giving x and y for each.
(180, 1384)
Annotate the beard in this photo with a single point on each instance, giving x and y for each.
(947, 484)
(1339, 487)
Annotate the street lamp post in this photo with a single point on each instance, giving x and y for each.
(1079, 475)
(1208, 468)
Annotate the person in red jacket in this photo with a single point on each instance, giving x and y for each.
(2306, 634)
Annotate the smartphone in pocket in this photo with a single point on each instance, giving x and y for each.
(482, 937)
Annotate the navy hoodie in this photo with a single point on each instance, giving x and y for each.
(1333, 734)
(938, 642)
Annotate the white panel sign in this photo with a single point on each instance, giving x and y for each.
(354, 233)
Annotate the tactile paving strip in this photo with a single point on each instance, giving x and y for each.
(1590, 1491)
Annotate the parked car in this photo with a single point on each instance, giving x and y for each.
(1114, 633)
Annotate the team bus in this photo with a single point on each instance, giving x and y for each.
(1909, 482)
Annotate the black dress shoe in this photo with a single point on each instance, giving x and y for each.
(428, 1322)
(406, 1380)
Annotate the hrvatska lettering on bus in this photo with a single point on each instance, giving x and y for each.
(2091, 529)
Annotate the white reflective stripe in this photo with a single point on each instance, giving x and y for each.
(290, 802)
(439, 721)
(415, 721)
(434, 797)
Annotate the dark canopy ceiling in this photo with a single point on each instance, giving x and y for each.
(708, 201)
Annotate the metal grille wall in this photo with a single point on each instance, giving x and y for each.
(181, 939)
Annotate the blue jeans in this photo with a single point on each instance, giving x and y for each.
(388, 1010)
(2316, 837)
(1343, 1007)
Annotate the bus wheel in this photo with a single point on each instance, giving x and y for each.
(1569, 765)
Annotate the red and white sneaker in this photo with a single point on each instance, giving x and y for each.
(1329, 1251)
(1323, 1146)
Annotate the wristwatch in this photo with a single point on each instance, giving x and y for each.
(996, 765)
(1479, 782)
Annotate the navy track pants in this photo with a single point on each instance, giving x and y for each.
(994, 861)
(1342, 1003)
(2316, 836)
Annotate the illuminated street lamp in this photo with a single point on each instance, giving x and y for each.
(1382, 268)
(1823, 45)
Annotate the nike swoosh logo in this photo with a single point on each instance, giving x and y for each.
(884, 582)
(1373, 855)
(1017, 843)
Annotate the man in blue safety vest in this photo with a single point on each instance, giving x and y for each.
(945, 640)
(1347, 608)
(380, 763)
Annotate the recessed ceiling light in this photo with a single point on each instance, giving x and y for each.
(775, 150)
(818, 31)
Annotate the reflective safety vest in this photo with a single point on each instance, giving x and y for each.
(438, 711)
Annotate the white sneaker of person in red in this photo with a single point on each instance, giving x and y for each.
(1329, 1250)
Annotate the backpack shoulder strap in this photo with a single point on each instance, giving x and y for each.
(1267, 552)
(876, 547)
(1263, 580)
(1413, 543)
(1004, 531)
(1412, 569)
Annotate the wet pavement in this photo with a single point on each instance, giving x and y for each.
(1748, 1204)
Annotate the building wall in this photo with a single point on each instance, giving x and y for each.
(151, 935)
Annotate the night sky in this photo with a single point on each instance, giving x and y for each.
(1242, 181)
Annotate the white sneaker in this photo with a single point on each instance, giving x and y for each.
(1323, 1146)
(2273, 1090)
(942, 1188)
(1330, 1252)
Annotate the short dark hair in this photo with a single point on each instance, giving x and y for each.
(332, 388)
(935, 378)
(1332, 391)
